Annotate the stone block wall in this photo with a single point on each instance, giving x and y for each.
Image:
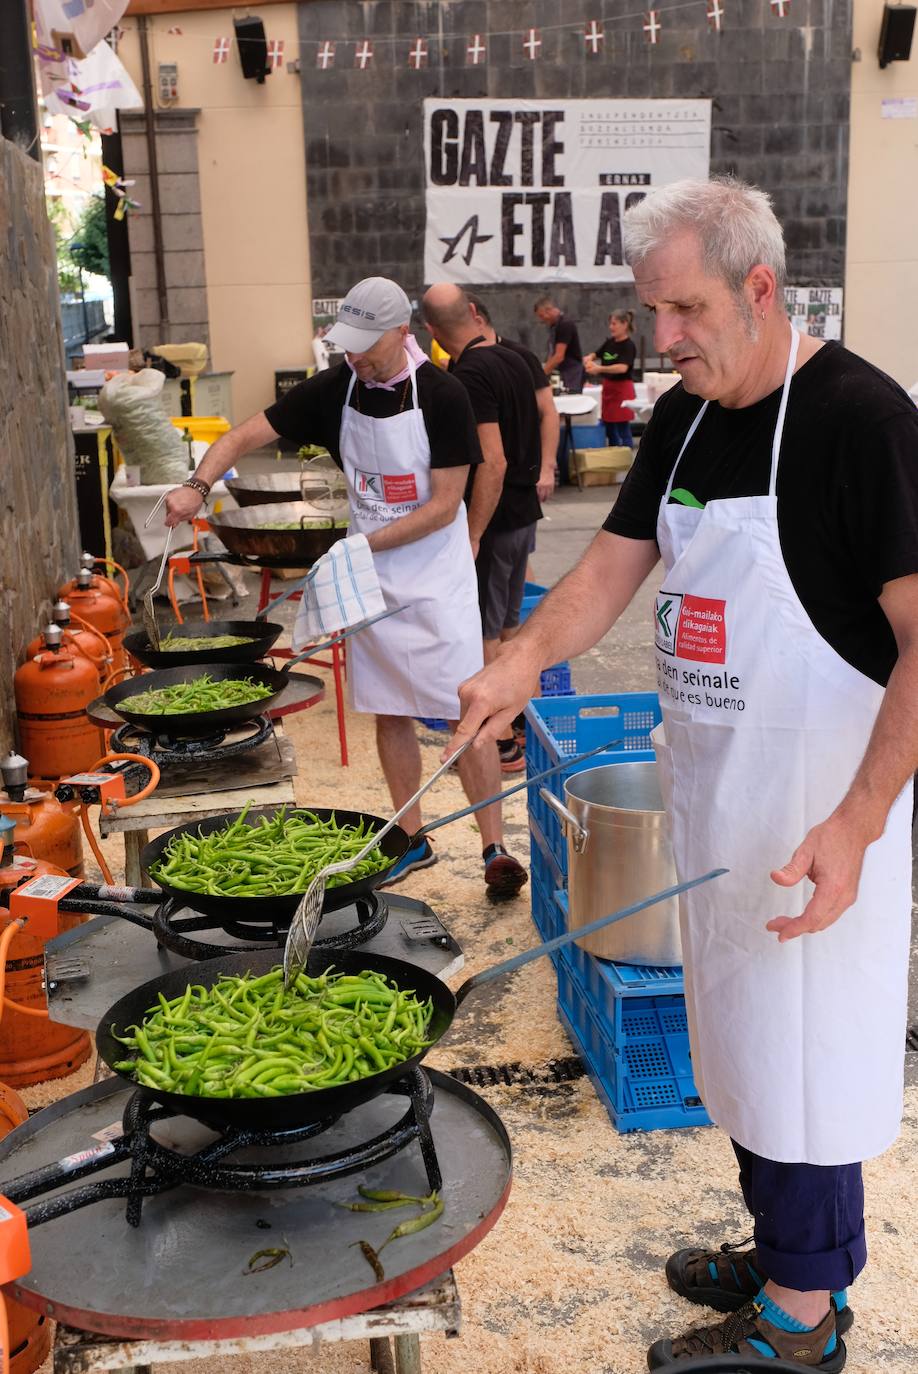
(780, 89)
(183, 238)
(39, 538)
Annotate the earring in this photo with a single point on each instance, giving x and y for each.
(763, 314)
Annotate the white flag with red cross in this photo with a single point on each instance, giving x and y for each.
(221, 49)
(652, 26)
(476, 51)
(275, 53)
(325, 56)
(593, 36)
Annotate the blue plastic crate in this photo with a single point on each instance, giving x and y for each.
(605, 980)
(544, 864)
(560, 727)
(589, 436)
(556, 681)
(643, 1074)
(545, 915)
(433, 724)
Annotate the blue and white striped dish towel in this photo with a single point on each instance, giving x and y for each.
(341, 590)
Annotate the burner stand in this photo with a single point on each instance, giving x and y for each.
(214, 748)
(155, 1168)
(172, 930)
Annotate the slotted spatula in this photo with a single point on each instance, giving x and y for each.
(147, 613)
(308, 914)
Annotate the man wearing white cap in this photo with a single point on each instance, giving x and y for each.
(403, 432)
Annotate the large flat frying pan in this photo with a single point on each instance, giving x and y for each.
(261, 634)
(300, 1109)
(241, 532)
(277, 910)
(189, 724)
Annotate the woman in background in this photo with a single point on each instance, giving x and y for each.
(613, 361)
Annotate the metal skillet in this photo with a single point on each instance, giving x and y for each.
(278, 911)
(188, 724)
(300, 1109)
(261, 635)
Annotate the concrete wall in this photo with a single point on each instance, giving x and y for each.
(235, 195)
(780, 88)
(881, 281)
(39, 541)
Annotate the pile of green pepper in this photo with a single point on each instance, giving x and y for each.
(275, 858)
(203, 694)
(174, 644)
(251, 1037)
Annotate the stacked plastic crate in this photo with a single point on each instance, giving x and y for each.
(627, 1022)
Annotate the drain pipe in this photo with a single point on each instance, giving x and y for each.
(153, 168)
(18, 109)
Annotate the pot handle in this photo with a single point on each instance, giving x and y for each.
(569, 823)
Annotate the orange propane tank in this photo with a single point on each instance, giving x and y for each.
(32, 1048)
(89, 642)
(100, 584)
(52, 693)
(43, 826)
(29, 1332)
(91, 599)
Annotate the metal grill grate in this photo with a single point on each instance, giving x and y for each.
(512, 1075)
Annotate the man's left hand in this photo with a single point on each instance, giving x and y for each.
(831, 856)
(545, 487)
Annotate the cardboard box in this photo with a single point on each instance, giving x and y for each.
(602, 467)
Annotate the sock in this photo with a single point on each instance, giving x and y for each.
(784, 1322)
(491, 850)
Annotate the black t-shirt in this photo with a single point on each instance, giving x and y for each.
(501, 391)
(614, 351)
(310, 413)
(847, 489)
(536, 370)
(564, 331)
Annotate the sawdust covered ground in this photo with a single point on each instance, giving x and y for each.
(570, 1281)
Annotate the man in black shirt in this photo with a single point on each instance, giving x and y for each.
(779, 484)
(503, 495)
(403, 432)
(564, 352)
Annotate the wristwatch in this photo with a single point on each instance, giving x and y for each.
(198, 485)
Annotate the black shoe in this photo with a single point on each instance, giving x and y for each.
(504, 876)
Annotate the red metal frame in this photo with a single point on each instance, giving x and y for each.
(267, 1323)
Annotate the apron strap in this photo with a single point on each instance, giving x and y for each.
(413, 374)
(782, 411)
(685, 443)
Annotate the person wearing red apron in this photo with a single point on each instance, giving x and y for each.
(786, 753)
(613, 362)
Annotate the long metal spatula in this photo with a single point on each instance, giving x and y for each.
(511, 965)
(308, 914)
(147, 613)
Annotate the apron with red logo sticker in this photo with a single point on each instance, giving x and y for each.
(412, 663)
(797, 1048)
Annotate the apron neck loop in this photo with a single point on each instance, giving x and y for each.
(478, 339)
(685, 443)
(782, 411)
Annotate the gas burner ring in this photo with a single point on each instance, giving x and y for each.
(208, 749)
(178, 933)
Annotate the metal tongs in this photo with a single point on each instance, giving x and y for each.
(147, 613)
(308, 914)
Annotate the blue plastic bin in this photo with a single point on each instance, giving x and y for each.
(560, 727)
(589, 436)
(629, 1025)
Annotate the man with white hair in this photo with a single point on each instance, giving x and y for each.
(779, 485)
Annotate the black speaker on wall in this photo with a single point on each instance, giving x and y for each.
(252, 47)
(896, 34)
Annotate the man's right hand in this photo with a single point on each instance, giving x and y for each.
(489, 701)
(182, 503)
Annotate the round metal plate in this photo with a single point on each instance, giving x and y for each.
(181, 1272)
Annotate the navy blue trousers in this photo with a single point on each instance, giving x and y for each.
(809, 1220)
(618, 433)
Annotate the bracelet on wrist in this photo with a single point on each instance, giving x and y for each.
(199, 485)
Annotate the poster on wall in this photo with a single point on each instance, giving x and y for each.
(534, 190)
(815, 310)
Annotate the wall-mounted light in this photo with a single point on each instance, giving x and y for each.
(896, 34)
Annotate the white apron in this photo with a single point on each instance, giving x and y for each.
(797, 1048)
(412, 663)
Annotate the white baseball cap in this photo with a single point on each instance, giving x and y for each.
(367, 311)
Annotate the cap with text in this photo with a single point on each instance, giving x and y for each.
(367, 311)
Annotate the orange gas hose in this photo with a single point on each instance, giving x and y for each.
(6, 940)
(4, 1338)
(94, 846)
(110, 563)
(115, 673)
(85, 625)
(145, 791)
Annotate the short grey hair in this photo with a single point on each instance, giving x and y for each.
(735, 223)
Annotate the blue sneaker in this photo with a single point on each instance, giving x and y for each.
(420, 855)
